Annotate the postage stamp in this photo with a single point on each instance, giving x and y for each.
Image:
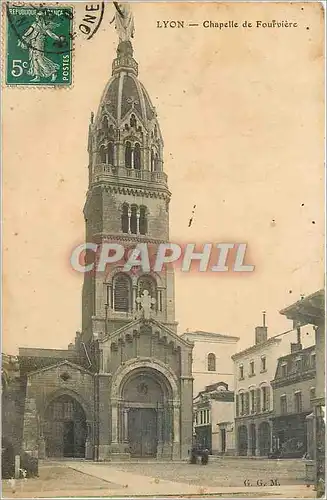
(39, 45)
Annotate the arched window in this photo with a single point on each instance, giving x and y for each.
(124, 219)
(137, 156)
(147, 283)
(111, 131)
(128, 155)
(156, 162)
(134, 219)
(122, 293)
(152, 161)
(103, 154)
(143, 221)
(110, 153)
(132, 121)
(211, 362)
(105, 124)
(155, 131)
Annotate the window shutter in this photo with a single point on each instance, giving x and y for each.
(237, 405)
(258, 401)
(268, 399)
(247, 403)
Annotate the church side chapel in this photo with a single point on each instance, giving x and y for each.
(124, 388)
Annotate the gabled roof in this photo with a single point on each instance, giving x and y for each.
(136, 323)
(256, 347)
(57, 365)
(212, 336)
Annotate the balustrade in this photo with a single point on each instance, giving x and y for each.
(103, 170)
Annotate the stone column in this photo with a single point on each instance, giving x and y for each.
(142, 158)
(159, 433)
(134, 292)
(138, 221)
(176, 422)
(132, 157)
(88, 442)
(120, 154)
(125, 425)
(114, 422)
(129, 220)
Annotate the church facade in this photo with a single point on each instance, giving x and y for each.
(124, 388)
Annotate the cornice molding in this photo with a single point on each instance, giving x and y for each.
(154, 192)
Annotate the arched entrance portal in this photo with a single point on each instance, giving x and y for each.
(264, 439)
(65, 428)
(242, 440)
(146, 412)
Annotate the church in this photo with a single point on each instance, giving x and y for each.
(125, 387)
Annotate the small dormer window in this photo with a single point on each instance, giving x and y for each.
(284, 370)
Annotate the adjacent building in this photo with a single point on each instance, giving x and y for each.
(310, 310)
(214, 419)
(254, 369)
(294, 389)
(211, 358)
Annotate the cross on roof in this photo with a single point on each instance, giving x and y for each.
(146, 302)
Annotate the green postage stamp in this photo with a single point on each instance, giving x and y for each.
(39, 45)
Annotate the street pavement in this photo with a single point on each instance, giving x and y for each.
(222, 477)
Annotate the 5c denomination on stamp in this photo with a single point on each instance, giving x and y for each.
(39, 45)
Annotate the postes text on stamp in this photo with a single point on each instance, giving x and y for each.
(39, 45)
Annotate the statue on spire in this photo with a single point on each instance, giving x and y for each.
(124, 21)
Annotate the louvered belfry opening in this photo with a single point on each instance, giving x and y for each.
(122, 293)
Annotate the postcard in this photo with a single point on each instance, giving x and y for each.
(163, 249)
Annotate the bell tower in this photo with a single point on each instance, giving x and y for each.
(127, 200)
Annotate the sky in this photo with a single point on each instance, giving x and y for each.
(241, 112)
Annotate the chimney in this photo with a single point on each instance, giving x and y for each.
(261, 332)
(295, 347)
